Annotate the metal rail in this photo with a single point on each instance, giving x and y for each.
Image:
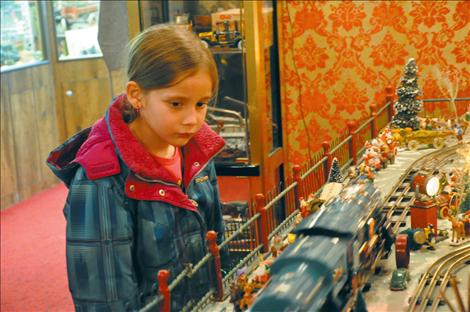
(432, 276)
(445, 280)
(446, 100)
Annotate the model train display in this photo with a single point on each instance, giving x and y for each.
(336, 249)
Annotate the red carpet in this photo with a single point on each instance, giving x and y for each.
(33, 269)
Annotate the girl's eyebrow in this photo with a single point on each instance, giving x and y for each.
(178, 96)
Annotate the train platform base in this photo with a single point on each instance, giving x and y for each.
(380, 298)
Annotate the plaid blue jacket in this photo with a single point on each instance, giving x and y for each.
(117, 241)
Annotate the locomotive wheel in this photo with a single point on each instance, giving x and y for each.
(444, 212)
(438, 143)
(413, 145)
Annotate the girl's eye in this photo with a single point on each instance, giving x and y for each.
(175, 104)
(201, 104)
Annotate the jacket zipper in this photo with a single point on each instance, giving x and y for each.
(155, 181)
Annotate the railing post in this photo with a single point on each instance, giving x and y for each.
(326, 153)
(211, 238)
(389, 101)
(373, 125)
(352, 144)
(298, 190)
(162, 277)
(262, 221)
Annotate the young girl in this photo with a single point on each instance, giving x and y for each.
(142, 184)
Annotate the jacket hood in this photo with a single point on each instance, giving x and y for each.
(97, 149)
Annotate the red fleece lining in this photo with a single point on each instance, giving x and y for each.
(98, 154)
(202, 147)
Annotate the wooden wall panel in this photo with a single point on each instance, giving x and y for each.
(48, 137)
(9, 187)
(29, 132)
(26, 142)
(83, 92)
(86, 103)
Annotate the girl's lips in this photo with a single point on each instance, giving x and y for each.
(185, 135)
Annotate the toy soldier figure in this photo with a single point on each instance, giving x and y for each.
(430, 233)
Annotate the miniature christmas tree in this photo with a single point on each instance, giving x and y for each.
(407, 106)
(335, 172)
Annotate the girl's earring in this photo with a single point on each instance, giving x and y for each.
(137, 110)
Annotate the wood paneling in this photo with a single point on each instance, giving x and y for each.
(26, 142)
(37, 114)
(83, 93)
(29, 132)
(9, 185)
(84, 101)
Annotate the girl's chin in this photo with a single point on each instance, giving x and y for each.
(180, 142)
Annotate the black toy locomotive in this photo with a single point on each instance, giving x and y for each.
(336, 249)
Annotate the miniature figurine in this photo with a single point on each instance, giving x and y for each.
(276, 245)
(458, 132)
(248, 298)
(309, 206)
(389, 146)
(237, 289)
(353, 172)
(366, 174)
(458, 230)
(430, 233)
(372, 157)
(235, 296)
(303, 208)
(428, 124)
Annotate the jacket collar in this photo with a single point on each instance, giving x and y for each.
(197, 153)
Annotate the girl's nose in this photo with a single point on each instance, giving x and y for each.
(190, 117)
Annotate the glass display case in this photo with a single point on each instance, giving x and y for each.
(218, 24)
(21, 39)
(76, 29)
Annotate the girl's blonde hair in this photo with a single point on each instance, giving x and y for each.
(163, 55)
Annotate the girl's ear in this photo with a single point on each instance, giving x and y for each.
(134, 94)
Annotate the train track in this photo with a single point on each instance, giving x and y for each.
(398, 202)
(397, 207)
(438, 274)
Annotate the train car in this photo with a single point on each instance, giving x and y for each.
(327, 266)
(413, 139)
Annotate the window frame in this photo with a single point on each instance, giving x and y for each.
(42, 16)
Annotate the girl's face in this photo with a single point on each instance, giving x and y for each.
(176, 113)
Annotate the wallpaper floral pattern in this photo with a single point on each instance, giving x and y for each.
(337, 57)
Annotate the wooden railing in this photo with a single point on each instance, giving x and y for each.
(275, 213)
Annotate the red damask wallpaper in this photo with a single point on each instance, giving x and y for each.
(337, 57)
